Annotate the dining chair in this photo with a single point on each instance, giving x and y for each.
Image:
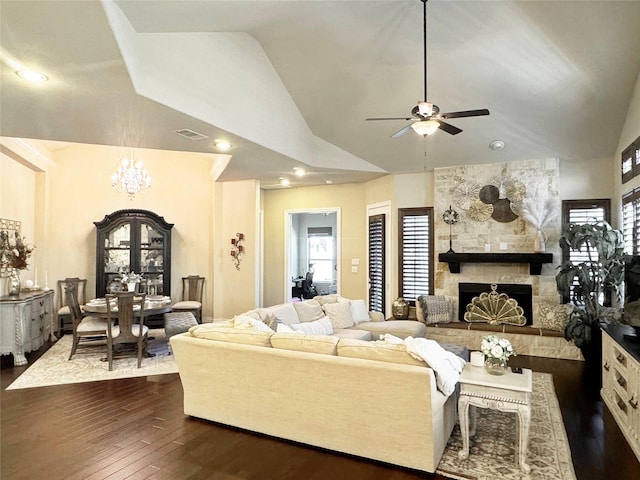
(192, 290)
(85, 329)
(130, 334)
(64, 314)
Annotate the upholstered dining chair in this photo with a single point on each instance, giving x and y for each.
(130, 334)
(86, 329)
(64, 314)
(192, 290)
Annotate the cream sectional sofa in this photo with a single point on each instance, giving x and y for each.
(348, 318)
(364, 398)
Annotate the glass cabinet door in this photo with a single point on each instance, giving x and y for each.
(133, 241)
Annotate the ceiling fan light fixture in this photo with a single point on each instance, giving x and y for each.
(425, 127)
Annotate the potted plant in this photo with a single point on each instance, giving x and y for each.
(599, 276)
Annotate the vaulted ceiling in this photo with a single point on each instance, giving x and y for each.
(290, 83)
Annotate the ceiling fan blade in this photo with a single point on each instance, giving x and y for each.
(447, 127)
(466, 113)
(402, 131)
(389, 118)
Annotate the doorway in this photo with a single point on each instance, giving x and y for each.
(312, 251)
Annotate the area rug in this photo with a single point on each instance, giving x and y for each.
(492, 449)
(53, 368)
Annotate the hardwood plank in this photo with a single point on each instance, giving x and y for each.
(135, 428)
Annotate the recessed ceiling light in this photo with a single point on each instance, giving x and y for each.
(496, 145)
(32, 76)
(284, 181)
(222, 144)
(298, 172)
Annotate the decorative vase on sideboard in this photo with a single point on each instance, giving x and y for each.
(13, 282)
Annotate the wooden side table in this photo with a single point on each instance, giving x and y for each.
(507, 393)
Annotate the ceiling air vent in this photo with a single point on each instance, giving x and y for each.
(190, 134)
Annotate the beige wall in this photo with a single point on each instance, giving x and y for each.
(630, 132)
(350, 198)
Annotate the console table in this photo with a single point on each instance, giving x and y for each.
(26, 321)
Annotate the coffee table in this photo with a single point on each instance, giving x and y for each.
(510, 392)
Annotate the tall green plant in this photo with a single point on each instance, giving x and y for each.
(602, 273)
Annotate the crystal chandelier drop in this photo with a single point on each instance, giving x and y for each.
(131, 177)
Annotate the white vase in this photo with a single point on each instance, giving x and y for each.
(131, 286)
(539, 242)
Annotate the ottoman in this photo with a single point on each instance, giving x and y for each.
(178, 322)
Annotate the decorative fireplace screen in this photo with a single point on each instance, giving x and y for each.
(495, 308)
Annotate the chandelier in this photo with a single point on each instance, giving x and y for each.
(131, 177)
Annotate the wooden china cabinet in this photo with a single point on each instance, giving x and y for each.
(134, 241)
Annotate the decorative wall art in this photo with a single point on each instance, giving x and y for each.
(487, 202)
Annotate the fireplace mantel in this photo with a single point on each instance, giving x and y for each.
(535, 260)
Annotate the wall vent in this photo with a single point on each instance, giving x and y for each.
(190, 134)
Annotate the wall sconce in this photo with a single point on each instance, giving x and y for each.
(237, 249)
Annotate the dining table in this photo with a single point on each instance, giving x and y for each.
(153, 305)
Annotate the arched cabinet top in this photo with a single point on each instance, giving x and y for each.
(117, 216)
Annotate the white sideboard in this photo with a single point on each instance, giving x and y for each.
(26, 321)
(621, 381)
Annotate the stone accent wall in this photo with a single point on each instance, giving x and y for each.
(540, 179)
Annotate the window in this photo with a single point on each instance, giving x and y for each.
(631, 161)
(631, 221)
(320, 248)
(583, 211)
(415, 247)
(376, 263)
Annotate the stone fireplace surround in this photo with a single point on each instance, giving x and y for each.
(470, 236)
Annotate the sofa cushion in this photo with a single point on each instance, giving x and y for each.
(399, 328)
(553, 316)
(339, 313)
(247, 336)
(359, 311)
(381, 351)
(352, 333)
(319, 327)
(285, 313)
(308, 311)
(305, 343)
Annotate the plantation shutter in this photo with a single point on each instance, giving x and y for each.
(376, 263)
(415, 239)
(581, 212)
(631, 221)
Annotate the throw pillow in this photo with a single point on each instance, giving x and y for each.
(339, 313)
(432, 309)
(284, 328)
(318, 327)
(309, 310)
(285, 313)
(323, 299)
(553, 316)
(359, 311)
(305, 343)
(381, 351)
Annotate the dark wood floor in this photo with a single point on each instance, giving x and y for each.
(134, 429)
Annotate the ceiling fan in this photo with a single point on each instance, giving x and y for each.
(426, 117)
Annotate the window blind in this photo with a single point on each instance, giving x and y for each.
(631, 221)
(376, 263)
(415, 239)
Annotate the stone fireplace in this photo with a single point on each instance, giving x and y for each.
(520, 293)
(473, 235)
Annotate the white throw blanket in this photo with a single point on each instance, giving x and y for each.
(446, 365)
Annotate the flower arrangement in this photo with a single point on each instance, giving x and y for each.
(15, 256)
(495, 347)
(131, 277)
